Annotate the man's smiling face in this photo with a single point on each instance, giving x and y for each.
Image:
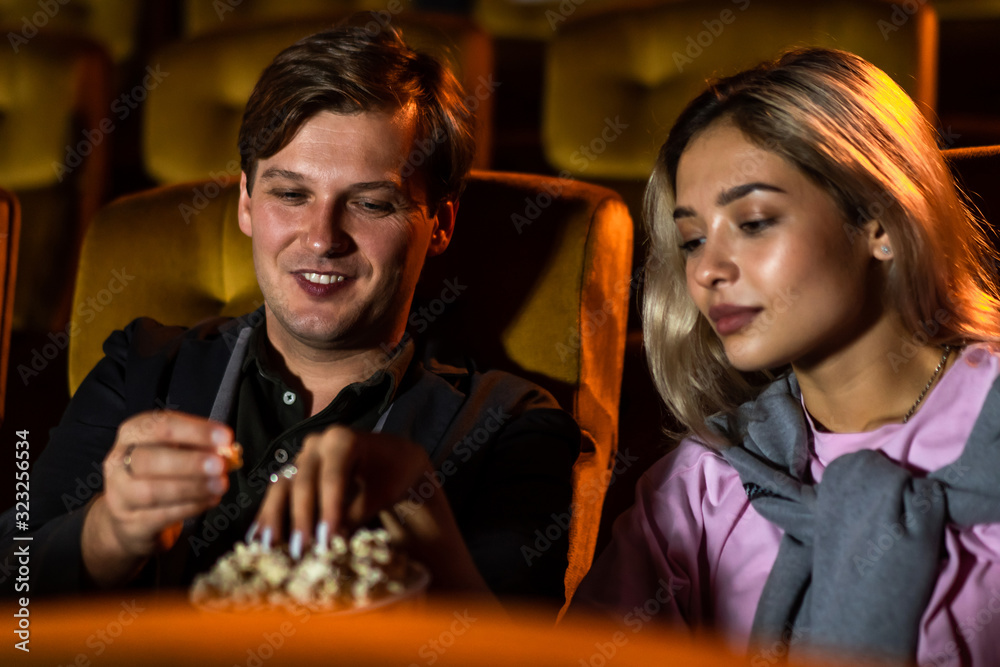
(340, 228)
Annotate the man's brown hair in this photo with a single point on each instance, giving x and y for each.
(350, 70)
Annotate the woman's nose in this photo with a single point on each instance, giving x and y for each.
(715, 264)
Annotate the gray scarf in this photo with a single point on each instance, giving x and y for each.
(861, 551)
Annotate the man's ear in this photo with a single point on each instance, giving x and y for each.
(444, 227)
(243, 210)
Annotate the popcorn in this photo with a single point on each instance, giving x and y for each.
(232, 455)
(347, 575)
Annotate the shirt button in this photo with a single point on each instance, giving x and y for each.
(288, 398)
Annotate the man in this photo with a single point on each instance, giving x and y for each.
(354, 150)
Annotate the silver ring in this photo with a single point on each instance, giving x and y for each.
(286, 471)
(127, 459)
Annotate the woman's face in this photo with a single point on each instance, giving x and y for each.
(771, 261)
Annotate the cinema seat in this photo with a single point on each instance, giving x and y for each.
(977, 169)
(544, 264)
(54, 127)
(192, 119)
(616, 81)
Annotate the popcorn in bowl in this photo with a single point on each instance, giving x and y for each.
(364, 572)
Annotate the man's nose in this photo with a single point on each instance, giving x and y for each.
(325, 234)
(715, 264)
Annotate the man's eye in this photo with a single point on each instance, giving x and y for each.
(288, 196)
(376, 207)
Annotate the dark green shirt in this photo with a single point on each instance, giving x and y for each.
(270, 423)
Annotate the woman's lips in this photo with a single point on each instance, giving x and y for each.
(730, 319)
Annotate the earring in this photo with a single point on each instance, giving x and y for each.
(886, 250)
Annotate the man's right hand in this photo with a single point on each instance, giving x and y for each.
(163, 468)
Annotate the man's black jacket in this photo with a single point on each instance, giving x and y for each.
(502, 448)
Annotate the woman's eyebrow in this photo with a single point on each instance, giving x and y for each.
(683, 212)
(732, 194)
(727, 197)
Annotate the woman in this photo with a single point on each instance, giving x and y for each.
(819, 313)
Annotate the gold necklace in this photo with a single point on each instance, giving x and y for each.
(944, 358)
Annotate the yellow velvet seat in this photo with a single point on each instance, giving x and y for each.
(540, 266)
(192, 118)
(202, 17)
(616, 82)
(55, 131)
(112, 23)
(539, 19)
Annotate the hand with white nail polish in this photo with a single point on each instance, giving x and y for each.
(344, 478)
(164, 467)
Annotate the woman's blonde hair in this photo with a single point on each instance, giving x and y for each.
(856, 134)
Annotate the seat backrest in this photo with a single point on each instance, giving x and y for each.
(10, 228)
(192, 117)
(115, 24)
(977, 170)
(202, 17)
(536, 281)
(55, 127)
(616, 82)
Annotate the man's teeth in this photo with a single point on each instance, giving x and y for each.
(322, 278)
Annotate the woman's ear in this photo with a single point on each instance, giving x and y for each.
(879, 243)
